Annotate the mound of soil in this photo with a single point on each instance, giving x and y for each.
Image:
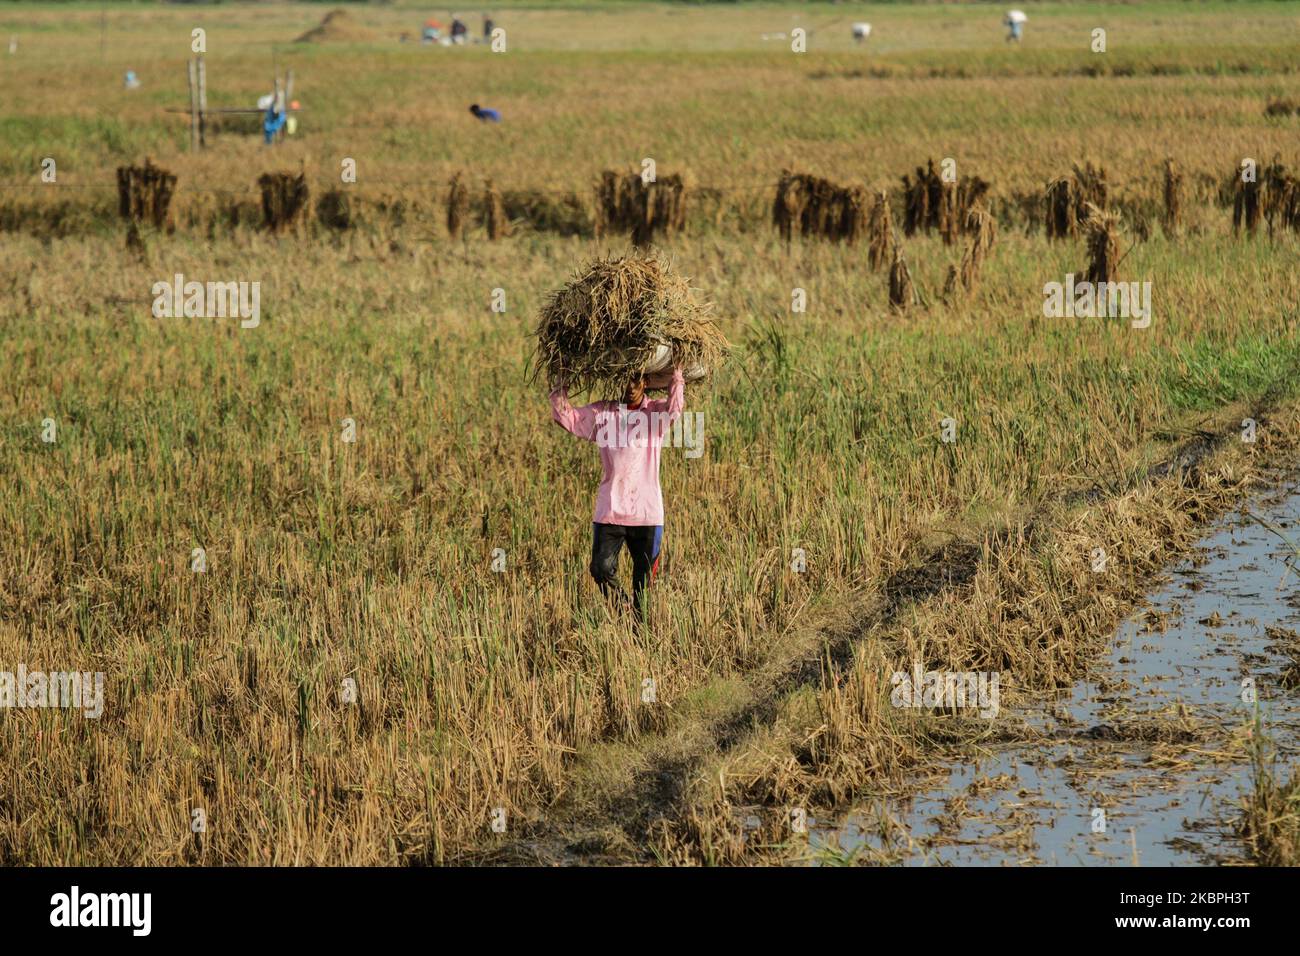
(337, 27)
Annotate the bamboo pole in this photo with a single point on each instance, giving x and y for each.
(194, 107)
(203, 103)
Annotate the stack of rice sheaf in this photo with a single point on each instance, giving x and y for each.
(624, 317)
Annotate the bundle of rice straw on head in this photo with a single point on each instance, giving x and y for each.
(624, 317)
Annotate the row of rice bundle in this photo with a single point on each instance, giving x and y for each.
(284, 199)
(1068, 198)
(621, 318)
(932, 202)
(144, 193)
(1272, 197)
(812, 206)
(626, 203)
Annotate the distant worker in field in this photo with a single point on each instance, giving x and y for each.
(629, 502)
(459, 32)
(273, 120)
(487, 28)
(485, 114)
(1015, 23)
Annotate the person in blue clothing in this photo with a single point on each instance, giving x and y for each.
(485, 114)
(272, 123)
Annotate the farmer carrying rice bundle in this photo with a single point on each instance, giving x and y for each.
(623, 326)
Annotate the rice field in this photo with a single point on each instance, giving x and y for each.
(333, 563)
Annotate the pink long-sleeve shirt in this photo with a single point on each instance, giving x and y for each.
(629, 440)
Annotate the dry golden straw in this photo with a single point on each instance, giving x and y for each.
(606, 326)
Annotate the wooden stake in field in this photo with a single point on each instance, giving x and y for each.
(203, 103)
(193, 76)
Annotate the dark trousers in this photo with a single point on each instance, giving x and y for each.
(643, 542)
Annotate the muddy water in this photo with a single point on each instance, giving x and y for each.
(1147, 763)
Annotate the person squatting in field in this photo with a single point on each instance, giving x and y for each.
(629, 502)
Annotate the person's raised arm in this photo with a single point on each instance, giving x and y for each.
(576, 421)
(668, 412)
(676, 395)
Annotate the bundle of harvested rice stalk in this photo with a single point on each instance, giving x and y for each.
(922, 199)
(624, 317)
(284, 199)
(983, 231)
(1069, 196)
(880, 228)
(1090, 185)
(1061, 219)
(1173, 196)
(957, 200)
(562, 213)
(1102, 229)
(1281, 196)
(626, 203)
(498, 225)
(789, 202)
(457, 207)
(334, 209)
(951, 283)
(135, 243)
(812, 206)
(144, 193)
(902, 294)
(933, 202)
(1246, 207)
